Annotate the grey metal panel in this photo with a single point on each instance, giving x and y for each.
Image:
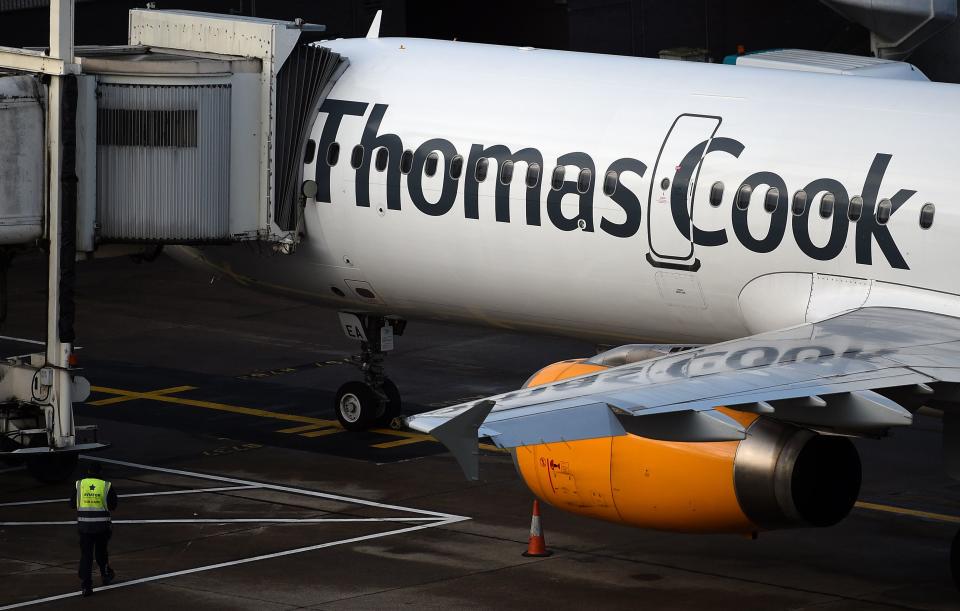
(21, 160)
(163, 163)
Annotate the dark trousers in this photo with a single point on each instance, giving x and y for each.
(93, 544)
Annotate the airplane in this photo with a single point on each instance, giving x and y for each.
(767, 250)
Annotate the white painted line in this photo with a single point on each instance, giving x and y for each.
(221, 565)
(138, 494)
(229, 521)
(24, 340)
(279, 488)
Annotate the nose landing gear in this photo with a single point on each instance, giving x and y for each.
(376, 400)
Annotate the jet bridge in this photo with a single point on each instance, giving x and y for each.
(192, 133)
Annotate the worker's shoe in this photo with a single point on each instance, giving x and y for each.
(87, 591)
(108, 577)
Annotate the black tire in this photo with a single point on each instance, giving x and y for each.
(955, 560)
(53, 468)
(356, 406)
(394, 404)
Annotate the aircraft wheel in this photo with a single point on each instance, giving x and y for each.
(394, 404)
(356, 406)
(955, 560)
(53, 468)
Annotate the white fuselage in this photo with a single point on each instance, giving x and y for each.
(626, 266)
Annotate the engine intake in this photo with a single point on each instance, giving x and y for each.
(787, 476)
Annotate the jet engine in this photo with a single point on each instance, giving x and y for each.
(780, 476)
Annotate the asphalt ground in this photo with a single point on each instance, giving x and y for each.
(240, 491)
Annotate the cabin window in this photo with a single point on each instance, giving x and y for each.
(383, 155)
(356, 157)
(884, 210)
(743, 197)
(771, 200)
(430, 167)
(716, 194)
(799, 202)
(333, 154)
(506, 172)
(310, 153)
(926, 215)
(827, 202)
(406, 161)
(559, 173)
(664, 184)
(533, 175)
(456, 166)
(610, 183)
(855, 211)
(583, 180)
(480, 171)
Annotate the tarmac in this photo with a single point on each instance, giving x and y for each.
(239, 490)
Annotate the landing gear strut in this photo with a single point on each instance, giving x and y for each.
(376, 400)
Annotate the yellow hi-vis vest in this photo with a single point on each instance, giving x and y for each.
(92, 501)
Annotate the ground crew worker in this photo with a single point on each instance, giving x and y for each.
(94, 499)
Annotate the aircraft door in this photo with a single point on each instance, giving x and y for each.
(672, 190)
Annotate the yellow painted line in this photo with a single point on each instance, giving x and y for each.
(223, 407)
(133, 396)
(322, 432)
(404, 442)
(941, 517)
(300, 429)
(310, 423)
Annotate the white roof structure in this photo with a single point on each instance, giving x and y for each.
(832, 63)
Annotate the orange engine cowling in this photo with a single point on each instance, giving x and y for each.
(780, 476)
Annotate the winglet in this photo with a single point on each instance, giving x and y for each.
(374, 31)
(459, 435)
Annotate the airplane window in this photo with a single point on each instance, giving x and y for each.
(926, 215)
(356, 157)
(456, 167)
(333, 154)
(743, 197)
(664, 184)
(311, 152)
(716, 194)
(610, 183)
(583, 181)
(799, 202)
(480, 172)
(826, 205)
(559, 173)
(884, 210)
(771, 200)
(506, 172)
(406, 161)
(430, 167)
(382, 156)
(533, 175)
(856, 208)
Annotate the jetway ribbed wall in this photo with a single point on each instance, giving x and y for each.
(163, 162)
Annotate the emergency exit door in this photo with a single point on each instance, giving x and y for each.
(673, 188)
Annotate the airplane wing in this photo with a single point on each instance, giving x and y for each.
(823, 375)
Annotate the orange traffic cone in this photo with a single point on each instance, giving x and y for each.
(537, 547)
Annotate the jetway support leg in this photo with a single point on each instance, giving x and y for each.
(62, 233)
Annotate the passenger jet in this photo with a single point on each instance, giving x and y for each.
(772, 249)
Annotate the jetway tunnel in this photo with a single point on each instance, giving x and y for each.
(191, 134)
